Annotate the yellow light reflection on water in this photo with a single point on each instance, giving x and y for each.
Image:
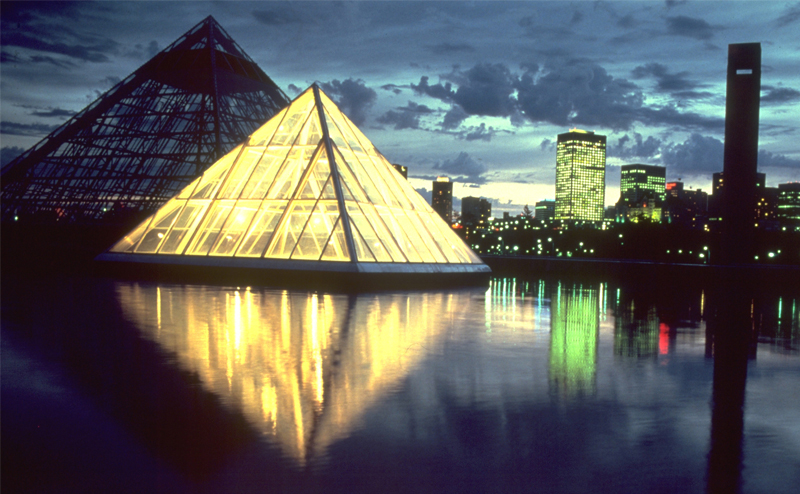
(302, 367)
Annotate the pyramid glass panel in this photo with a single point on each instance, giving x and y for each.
(301, 189)
(148, 137)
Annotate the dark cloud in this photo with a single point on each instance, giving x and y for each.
(58, 39)
(635, 147)
(480, 133)
(627, 21)
(443, 92)
(393, 88)
(141, 52)
(547, 145)
(690, 27)
(671, 117)
(771, 160)
(406, 117)
(53, 113)
(353, 97)
(698, 155)
(282, 17)
(778, 95)
(463, 169)
(486, 90)
(791, 16)
(581, 93)
(450, 48)
(8, 153)
(674, 3)
(6, 57)
(294, 89)
(454, 117)
(20, 129)
(577, 17)
(666, 81)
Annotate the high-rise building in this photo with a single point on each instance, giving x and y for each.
(442, 198)
(686, 206)
(642, 191)
(789, 202)
(580, 176)
(545, 210)
(742, 102)
(637, 180)
(475, 210)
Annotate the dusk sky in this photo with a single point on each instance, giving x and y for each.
(476, 91)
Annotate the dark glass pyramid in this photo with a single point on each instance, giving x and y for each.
(123, 156)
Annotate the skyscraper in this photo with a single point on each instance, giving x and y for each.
(642, 191)
(442, 199)
(545, 210)
(789, 202)
(742, 102)
(580, 176)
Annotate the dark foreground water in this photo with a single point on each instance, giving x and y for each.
(525, 386)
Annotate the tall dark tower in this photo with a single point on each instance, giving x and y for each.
(741, 152)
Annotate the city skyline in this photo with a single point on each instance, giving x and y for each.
(474, 91)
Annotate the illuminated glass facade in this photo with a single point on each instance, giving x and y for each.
(306, 186)
(637, 180)
(580, 176)
(789, 201)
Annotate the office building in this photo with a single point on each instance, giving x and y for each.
(580, 176)
(442, 198)
(545, 210)
(475, 210)
(642, 191)
(789, 202)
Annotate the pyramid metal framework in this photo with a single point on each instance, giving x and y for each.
(147, 137)
(307, 186)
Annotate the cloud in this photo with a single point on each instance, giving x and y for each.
(581, 93)
(674, 3)
(8, 154)
(450, 48)
(666, 82)
(53, 113)
(60, 40)
(294, 89)
(443, 92)
(480, 133)
(406, 117)
(690, 27)
(627, 21)
(454, 118)
(779, 95)
(547, 145)
(20, 129)
(286, 15)
(577, 17)
(393, 88)
(352, 96)
(767, 159)
(791, 16)
(463, 169)
(635, 147)
(486, 90)
(698, 155)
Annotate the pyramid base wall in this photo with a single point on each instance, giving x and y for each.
(311, 275)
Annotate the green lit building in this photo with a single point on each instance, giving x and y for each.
(789, 202)
(642, 191)
(580, 176)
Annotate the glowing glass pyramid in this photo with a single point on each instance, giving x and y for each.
(306, 186)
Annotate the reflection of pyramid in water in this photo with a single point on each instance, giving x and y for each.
(306, 186)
